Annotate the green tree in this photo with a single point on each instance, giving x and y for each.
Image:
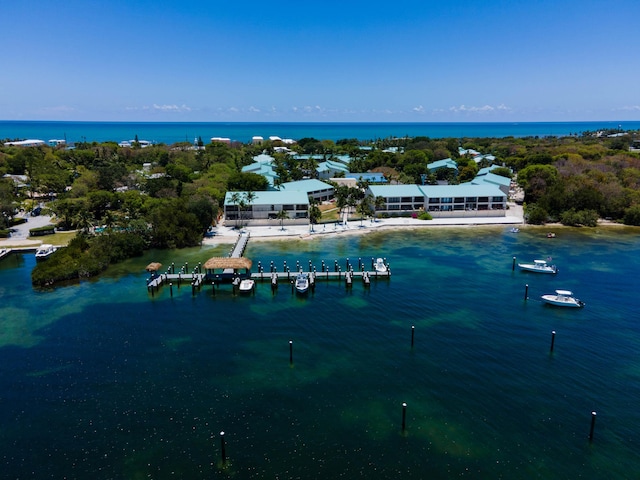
(282, 215)
(314, 211)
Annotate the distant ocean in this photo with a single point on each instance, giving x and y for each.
(165, 132)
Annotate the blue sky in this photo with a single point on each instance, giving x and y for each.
(350, 60)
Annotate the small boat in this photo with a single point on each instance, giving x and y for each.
(302, 282)
(44, 251)
(562, 298)
(551, 235)
(514, 230)
(379, 266)
(538, 266)
(246, 285)
(4, 252)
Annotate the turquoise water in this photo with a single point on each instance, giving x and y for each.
(169, 133)
(103, 380)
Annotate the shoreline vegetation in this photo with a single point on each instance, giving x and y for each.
(123, 200)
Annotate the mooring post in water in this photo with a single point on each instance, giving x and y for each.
(513, 265)
(413, 331)
(171, 288)
(173, 267)
(526, 291)
(593, 425)
(213, 287)
(223, 450)
(553, 339)
(290, 352)
(404, 417)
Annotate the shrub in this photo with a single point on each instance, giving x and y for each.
(632, 215)
(425, 216)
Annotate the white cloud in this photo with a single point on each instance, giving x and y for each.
(418, 109)
(253, 109)
(630, 108)
(172, 108)
(482, 109)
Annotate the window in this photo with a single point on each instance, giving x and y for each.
(393, 200)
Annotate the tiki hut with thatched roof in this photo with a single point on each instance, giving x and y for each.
(153, 267)
(228, 264)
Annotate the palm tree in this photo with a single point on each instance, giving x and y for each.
(379, 204)
(364, 208)
(314, 211)
(282, 215)
(83, 221)
(249, 197)
(235, 200)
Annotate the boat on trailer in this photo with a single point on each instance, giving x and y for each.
(563, 298)
(538, 266)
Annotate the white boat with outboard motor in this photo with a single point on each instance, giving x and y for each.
(538, 266)
(44, 251)
(247, 285)
(302, 282)
(380, 266)
(563, 298)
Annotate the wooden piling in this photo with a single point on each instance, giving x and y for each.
(593, 425)
(526, 291)
(223, 450)
(290, 352)
(553, 339)
(413, 331)
(404, 417)
(513, 266)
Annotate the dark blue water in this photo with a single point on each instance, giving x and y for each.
(103, 380)
(179, 132)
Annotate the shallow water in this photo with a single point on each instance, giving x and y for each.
(103, 380)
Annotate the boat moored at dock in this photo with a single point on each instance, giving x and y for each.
(302, 282)
(44, 251)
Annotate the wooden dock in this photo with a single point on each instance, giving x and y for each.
(193, 279)
(196, 279)
(327, 275)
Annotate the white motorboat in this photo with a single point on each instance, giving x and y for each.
(44, 251)
(302, 282)
(514, 230)
(563, 298)
(538, 266)
(4, 252)
(379, 266)
(246, 285)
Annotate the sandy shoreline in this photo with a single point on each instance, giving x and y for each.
(229, 235)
